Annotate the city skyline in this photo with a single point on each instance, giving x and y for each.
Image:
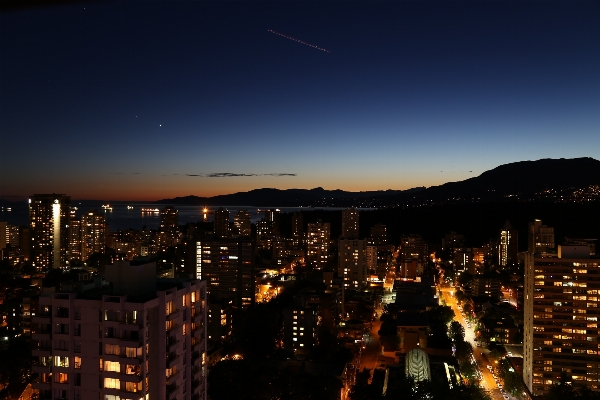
(132, 102)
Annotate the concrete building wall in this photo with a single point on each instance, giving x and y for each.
(98, 346)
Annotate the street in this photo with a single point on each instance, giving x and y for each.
(488, 381)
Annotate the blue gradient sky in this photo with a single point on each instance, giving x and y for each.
(121, 100)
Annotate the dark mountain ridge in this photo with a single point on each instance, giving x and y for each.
(576, 179)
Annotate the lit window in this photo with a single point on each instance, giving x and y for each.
(112, 366)
(110, 383)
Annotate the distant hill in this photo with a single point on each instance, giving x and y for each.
(555, 180)
(267, 197)
(546, 179)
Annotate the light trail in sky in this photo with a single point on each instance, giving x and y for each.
(299, 41)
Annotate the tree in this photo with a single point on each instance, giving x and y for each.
(513, 383)
(456, 332)
(468, 392)
(467, 309)
(441, 314)
(561, 390)
(256, 331)
(464, 351)
(362, 390)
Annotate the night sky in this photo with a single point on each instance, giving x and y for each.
(146, 100)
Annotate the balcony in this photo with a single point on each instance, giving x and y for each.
(128, 341)
(40, 369)
(171, 391)
(41, 336)
(198, 318)
(174, 315)
(171, 330)
(42, 351)
(198, 331)
(38, 384)
(172, 378)
(172, 360)
(172, 344)
(133, 360)
(38, 319)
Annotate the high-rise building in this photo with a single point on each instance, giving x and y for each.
(25, 241)
(168, 233)
(413, 247)
(222, 222)
(135, 338)
(227, 265)
(272, 216)
(561, 319)
(298, 233)
(350, 223)
(379, 235)
(4, 235)
(49, 216)
(451, 241)
(485, 286)
(242, 223)
(318, 244)
(591, 243)
(300, 325)
(75, 241)
(540, 238)
(297, 224)
(372, 257)
(93, 234)
(352, 262)
(169, 220)
(509, 245)
(14, 236)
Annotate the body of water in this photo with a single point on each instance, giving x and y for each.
(123, 215)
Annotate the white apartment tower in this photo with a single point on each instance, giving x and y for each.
(138, 338)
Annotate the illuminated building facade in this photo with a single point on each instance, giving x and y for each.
(144, 340)
(222, 222)
(75, 241)
(350, 223)
(540, 238)
(372, 257)
(352, 262)
(93, 234)
(300, 326)
(168, 234)
(379, 235)
(561, 319)
(227, 266)
(508, 246)
(318, 244)
(485, 286)
(242, 223)
(413, 247)
(272, 216)
(49, 219)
